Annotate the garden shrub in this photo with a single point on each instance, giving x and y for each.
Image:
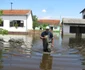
(3, 31)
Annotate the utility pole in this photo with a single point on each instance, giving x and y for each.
(11, 5)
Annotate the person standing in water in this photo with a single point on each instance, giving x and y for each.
(47, 39)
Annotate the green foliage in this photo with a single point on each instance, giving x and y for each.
(36, 24)
(44, 26)
(16, 25)
(35, 21)
(3, 31)
(1, 13)
(0, 20)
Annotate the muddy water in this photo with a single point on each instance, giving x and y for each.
(68, 53)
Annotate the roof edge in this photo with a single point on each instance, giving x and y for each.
(82, 10)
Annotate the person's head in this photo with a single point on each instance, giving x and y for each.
(47, 28)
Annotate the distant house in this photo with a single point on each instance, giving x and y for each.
(73, 26)
(53, 24)
(23, 18)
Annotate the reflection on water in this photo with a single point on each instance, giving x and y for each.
(76, 42)
(46, 62)
(79, 44)
(1, 61)
(19, 53)
(17, 43)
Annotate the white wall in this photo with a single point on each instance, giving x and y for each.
(66, 30)
(27, 23)
(58, 28)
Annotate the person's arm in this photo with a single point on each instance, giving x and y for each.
(42, 36)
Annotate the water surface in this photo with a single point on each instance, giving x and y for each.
(68, 53)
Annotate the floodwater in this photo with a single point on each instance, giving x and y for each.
(68, 53)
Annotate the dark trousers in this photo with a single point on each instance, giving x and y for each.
(45, 46)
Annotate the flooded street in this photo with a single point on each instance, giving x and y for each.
(20, 52)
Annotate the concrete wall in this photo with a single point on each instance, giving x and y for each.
(66, 30)
(27, 23)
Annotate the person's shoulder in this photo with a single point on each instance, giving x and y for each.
(50, 32)
(43, 31)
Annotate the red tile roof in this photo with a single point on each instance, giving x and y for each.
(49, 21)
(15, 12)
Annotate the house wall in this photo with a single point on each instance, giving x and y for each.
(66, 30)
(27, 23)
(57, 29)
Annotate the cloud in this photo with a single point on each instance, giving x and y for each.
(44, 11)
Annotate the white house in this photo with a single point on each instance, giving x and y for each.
(54, 24)
(22, 17)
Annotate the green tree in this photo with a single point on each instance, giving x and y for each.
(2, 31)
(35, 22)
(1, 13)
(44, 25)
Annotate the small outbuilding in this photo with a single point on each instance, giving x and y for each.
(73, 26)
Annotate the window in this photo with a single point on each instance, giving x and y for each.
(55, 27)
(19, 22)
(75, 29)
(1, 24)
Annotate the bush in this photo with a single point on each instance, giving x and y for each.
(3, 31)
(16, 25)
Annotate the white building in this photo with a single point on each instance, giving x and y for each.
(73, 26)
(22, 17)
(54, 24)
